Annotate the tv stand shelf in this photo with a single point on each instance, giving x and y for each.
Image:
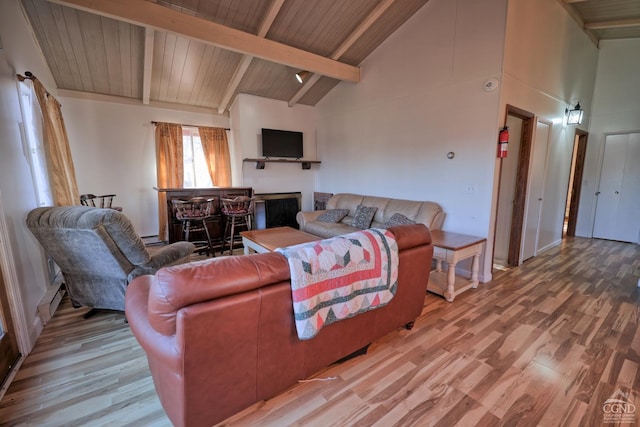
(260, 163)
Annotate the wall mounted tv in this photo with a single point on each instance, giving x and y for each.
(281, 143)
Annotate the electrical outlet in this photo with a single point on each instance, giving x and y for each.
(470, 188)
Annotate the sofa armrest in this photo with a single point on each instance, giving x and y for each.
(173, 254)
(161, 348)
(411, 235)
(182, 285)
(309, 216)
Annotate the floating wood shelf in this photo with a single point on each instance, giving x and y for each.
(260, 163)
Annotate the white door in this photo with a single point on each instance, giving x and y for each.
(534, 195)
(618, 203)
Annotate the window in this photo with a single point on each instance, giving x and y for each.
(33, 136)
(196, 173)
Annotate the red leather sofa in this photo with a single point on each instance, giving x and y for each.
(219, 334)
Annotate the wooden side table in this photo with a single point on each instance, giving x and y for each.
(453, 248)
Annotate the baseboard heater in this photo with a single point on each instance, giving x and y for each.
(51, 299)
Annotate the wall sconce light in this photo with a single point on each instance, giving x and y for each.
(301, 76)
(574, 116)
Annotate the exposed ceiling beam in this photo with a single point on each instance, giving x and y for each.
(148, 14)
(308, 84)
(346, 44)
(242, 67)
(133, 101)
(364, 26)
(238, 74)
(149, 36)
(267, 22)
(618, 23)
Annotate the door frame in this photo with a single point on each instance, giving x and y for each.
(12, 287)
(9, 352)
(522, 181)
(10, 299)
(576, 180)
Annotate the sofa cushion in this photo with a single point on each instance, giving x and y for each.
(345, 201)
(333, 215)
(398, 219)
(377, 202)
(363, 217)
(328, 229)
(408, 208)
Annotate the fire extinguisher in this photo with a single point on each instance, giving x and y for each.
(503, 140)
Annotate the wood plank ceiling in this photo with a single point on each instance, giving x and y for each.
(191, 53)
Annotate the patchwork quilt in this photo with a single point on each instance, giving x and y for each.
(340, 277)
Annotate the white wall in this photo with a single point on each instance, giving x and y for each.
(19, 54)
(616, 108)
(548, 62)
(252, 113)
(420, 97)
(113, 149)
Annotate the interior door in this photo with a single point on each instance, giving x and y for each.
(618, 203)
(534, 195)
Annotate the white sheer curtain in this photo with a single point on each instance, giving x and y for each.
(33, 141)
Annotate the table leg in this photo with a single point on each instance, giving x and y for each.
(247, 249)
(475, 266)
(450, 293)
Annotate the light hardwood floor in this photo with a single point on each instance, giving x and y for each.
(544, 344)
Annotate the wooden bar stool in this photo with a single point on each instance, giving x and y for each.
(238, 213)
(194, 214)
(105, 201)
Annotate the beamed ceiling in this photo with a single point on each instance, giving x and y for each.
(201, 54)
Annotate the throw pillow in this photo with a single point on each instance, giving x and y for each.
(363, 217)
(398, 219)
(333, 215)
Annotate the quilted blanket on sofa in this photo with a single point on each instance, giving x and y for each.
(340, 277)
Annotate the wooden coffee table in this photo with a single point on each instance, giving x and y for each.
(269, 239)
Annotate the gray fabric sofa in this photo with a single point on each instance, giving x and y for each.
(427, 213)
(98, 252)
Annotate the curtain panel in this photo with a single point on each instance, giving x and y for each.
(62, 174)
(170, 168)
(216, 151)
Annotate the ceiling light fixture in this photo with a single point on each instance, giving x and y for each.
(574, 116)
(301, 76)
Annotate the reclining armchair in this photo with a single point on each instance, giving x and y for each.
(98, 252)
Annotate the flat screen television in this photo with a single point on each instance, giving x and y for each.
(281, 143)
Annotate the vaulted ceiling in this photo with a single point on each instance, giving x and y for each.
(193, 53)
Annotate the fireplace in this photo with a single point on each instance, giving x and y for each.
(277, 209)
